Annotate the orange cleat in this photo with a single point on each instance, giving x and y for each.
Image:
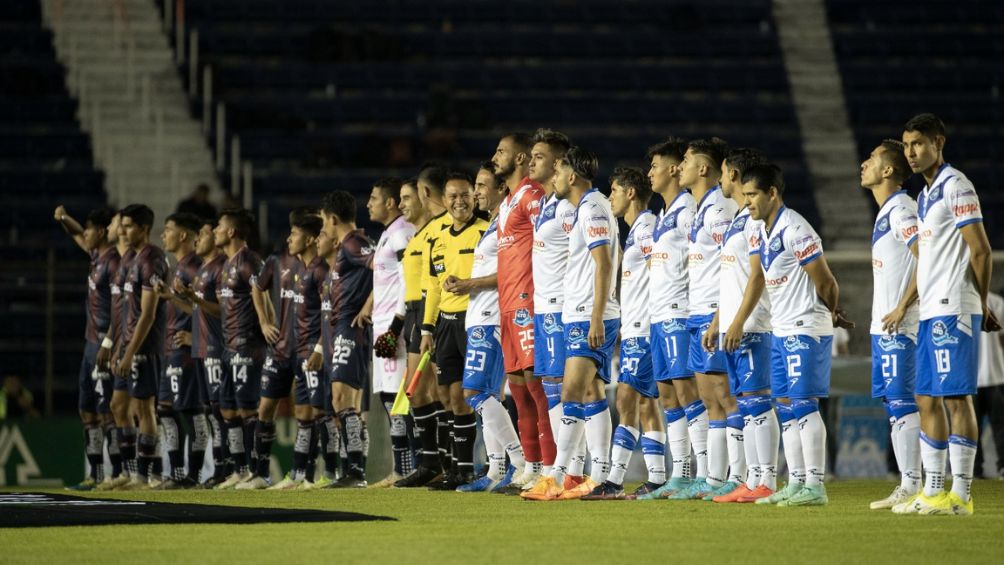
(756, 494)
(734, 496)
(546, 488)
(572, 481)
(582, 489)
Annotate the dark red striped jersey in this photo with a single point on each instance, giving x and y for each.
(207, 331)
(177, 319)
(352, 277)
(279, 274)
(104, 269)
(119, 310)
(147, 269)
(309, 291)
(241, 332)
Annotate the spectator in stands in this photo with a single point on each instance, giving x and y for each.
(16, 402)
(990, 391)
(198, 203)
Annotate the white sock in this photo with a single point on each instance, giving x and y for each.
(933, 453)
(697, 429)
(793, 452)
(653, 445)
(768, 441)
(737, 454)
(495, 453)
(625, 440)
(749, 450)
(679, 447)
(555, 414)
(599, 429)
(908, 455)
(894, 443)
(718, 453)
(962, 455)
(496, 421)
(813, 434)
(570, 433)
(577, 466)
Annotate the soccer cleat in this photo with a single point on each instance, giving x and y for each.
(420, 477)
(349, 481)
(484, 484)
(671, 486)
(450, 481)
(84, 485)
(787, 492)
(506, 480)
(387, 481)
(761, 491)
(726, 489)
(899, 495)
(527, 480)
(287, 483)
(960, 508)
(233, 480)
(606, 491)
(937, 505)
(119, 482)
(734, 496)
(696, 491)
(643, 489)
(213, 482)
(544, 489)
(909, 506)
(155, 482)
(572, 481)
(587, 486)
(323, 482)
(807, 496)
(183, 484)
(307, 485)
(254, 483)
(135, 483)
(107, 484)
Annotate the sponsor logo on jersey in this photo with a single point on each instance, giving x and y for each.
(793, 344)
(778, 281)
(807, 252)
(673, 326)
(890, 343)
(238, 359)
(226, 293)
(909, 231)
(965, 209)
(940, 334)
(598, 231)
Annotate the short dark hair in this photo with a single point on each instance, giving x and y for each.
(185, 220)
(743, 158)
(633, 177)
(390, 187)
(714, 149)
(458, 174)
(490, 167)
(243, 222)
(340, 203)
(312, 224)
(582, 161)
(893, 155)
(927, 124)
(141, 214)
(557, 141)
(100, 217)
(764, 176)
(410, 181)
(301, 211)
(522, 140)
(671, 147)
(435, 175)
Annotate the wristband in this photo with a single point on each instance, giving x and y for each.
(426, 332)
(397, 325)
(107, 343)
(319, 349)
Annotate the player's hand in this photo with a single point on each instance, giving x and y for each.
(124, 368)
(183, 291)
(162, 290)
(315, 361)
(841, 321)
(59, 213)
(104, 356)
(990, 321)
(733, 337)
(427, 344)
(182, 338)
(450, 282)
(891, 321)
(270, 332)
(597, 334)
(709, 341)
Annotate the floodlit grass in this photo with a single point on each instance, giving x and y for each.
(474, 528)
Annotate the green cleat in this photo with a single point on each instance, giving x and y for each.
(84, 485)
(672, 485)
(726, 488)
(807, 496)
(696, 491)
(787, 492)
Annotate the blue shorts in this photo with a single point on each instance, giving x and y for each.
(670, 350)
(94, 385)
(749, 366)
(548, 345)
(636, 366)
(948, 354)
(577, 345)
(210, 370)
(146, 370)
(701, 361)
(241, 380)
(276, 377)
(182, 382)
(307, 386)
(484, 368)
(894, 367)
(800, 366)
(350, 356)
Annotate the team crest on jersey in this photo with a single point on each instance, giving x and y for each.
(775, 245)
(793, 344)
(522, 318)
(890, 343)
(935, 194)
(883, 224)
(478, 337)
(576, 335)
(551, 325)
(673, 326)
(740, 223)
(632, 347)
(940, 334)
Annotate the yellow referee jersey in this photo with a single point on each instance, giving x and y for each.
(415, 261)
(452, 254)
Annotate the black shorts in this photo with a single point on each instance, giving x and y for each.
(95, 385)
(182, 382)
(276, 377)
(350, 355)
(146, 371)
(308, 386)
(412, 333)
(451, 347)
(210, 372)
(241, 380)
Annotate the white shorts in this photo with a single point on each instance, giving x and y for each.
(387, 373)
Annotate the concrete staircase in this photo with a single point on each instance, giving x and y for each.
(131, 101)
(828, 141)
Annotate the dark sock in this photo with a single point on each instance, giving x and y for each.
(146, 446)
(366, 443)
(301, 448)
(127, 447)
(112, 442)
(173, 440)
(93, 448)
(443, 429)
(315, 446)
(449, 462)
(264, 435)
(427, 426)
(221, 447)
(352, 437)
(465, 431)
(329, 442)
(249, 443)
(199, 440)
(235, 440)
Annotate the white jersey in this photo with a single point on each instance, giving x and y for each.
(735, 275)
(795, 308)
(892, 262)
(550, 254)
(714, 214)
(483, 308)
(594, 225)
(668, 266)
(388, 275)
(945, 281)
(635, 317)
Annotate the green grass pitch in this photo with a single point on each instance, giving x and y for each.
(477, 528)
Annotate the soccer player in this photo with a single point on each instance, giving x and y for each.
(517, 215)
(484, 370)
(244, 344)
(953, 277)
(637, 394)
(803, 309)
(743, 321)
(125, 427)
(443, 324)
(141, 356)
(686, 417)
(349, 353)
(95, 386)
(179, 392)
(591, 318)
(894, 310)
(388, 300)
